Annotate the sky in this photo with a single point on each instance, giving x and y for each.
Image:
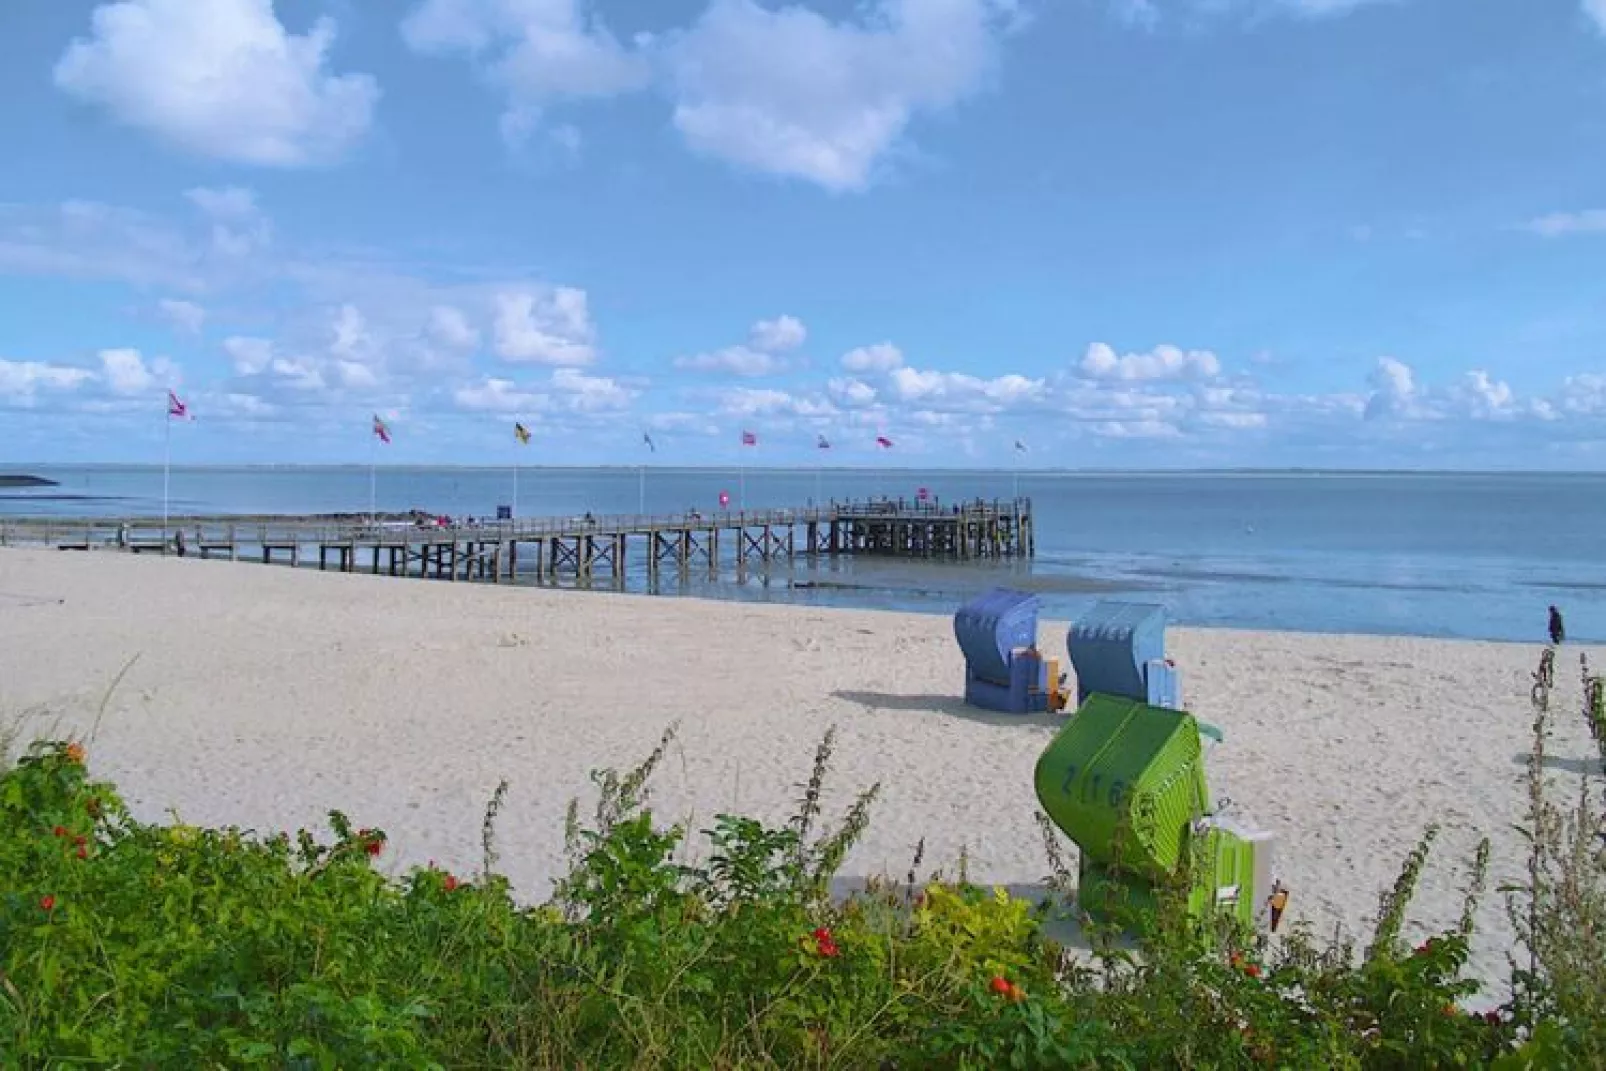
(1052, 233)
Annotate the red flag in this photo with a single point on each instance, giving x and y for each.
(749, 439)
(380, 429)
(176, 408)
(883, 442)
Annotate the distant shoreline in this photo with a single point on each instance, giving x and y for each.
(1025, 471)
(25, 481)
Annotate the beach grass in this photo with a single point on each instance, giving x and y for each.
(129, 943)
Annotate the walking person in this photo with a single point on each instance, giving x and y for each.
(1558, 631)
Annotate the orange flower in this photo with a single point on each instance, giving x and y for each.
(451, 883)
(1451, 1009)
(75, 753)
(1016, 993)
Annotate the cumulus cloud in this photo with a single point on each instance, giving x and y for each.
(223, 79)
(22, 381)
(735, 360)
(767, 341)
(185, 316)
(945, 390)
(450, 328)
(1164, 363)
(538, 52)
(238, 226)
(545, 327)
(790, 92)
(881, 357)
(785, 91)
(851, 393)
(1393, 386)
(780, 335)
(1562, 224)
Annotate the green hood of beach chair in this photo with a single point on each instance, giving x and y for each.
(1124, 780)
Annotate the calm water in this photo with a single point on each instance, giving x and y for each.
(1438, 555)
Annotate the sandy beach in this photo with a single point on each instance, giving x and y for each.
(264, 697)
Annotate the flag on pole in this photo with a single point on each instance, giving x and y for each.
(647, 439)
(522, 432)
(381, 430)
(823, 443)
(176, 408)
(1020, 447)
(883, 442)
(749, 439)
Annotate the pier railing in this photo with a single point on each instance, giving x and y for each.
(262, 530)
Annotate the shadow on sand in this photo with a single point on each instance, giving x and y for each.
(1581, 767)
(951, 705)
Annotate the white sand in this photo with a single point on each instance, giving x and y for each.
(264, 697)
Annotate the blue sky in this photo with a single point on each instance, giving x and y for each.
(1124, 232)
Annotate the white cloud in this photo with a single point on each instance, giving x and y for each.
(1393, 386)
(126, 372)
(956, 390)
(1561, 224)
(851, 393)
(767, 340)
(881, 357)
(735, 360)
(23, 380)
(450, 328)
(591, 394)
(567, 389)
(185, 316)
(238, 225)
(248, 356)
(1162, 364)
(780, 335)
(498, 396)
(537, 52)
(223, 78)
(1484, 396)
(545, 328)
(789, 92)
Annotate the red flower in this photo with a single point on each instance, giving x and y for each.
(1000, 985)
(824, 944)
(451, 883)
(47, 903)
(80, 841)
(83, 852)
(60, 831)
(1253, 970)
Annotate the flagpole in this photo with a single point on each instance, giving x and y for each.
(373, 478)
(167, 462)
(641, 489)
(515, 484)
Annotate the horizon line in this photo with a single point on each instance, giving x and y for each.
(1246, 470)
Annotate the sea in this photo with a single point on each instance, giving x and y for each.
(1465, 555)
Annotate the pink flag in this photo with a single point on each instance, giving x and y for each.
(883, 442)
(749, 439)
(381, 430)
(176, 408)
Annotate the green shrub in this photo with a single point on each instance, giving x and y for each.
(129, 944)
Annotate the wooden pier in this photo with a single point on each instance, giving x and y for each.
(584, 547)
